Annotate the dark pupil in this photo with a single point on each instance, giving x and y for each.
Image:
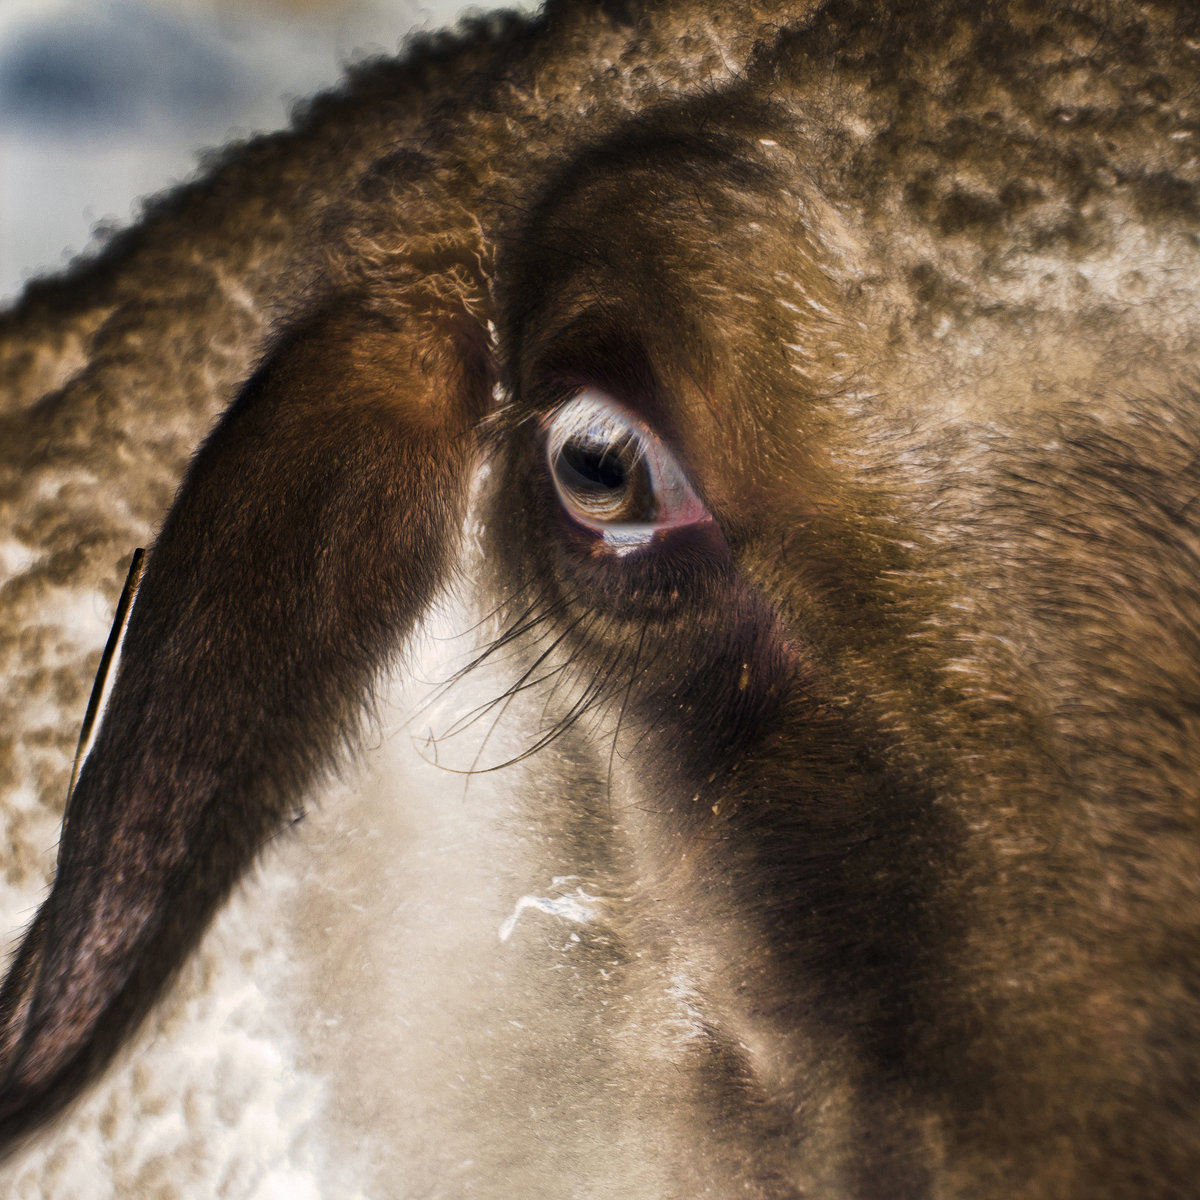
(590, 466)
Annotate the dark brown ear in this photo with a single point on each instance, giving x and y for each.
(307, 539)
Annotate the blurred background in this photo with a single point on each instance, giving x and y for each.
(103, 102)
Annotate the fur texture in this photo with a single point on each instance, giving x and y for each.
(867, 810)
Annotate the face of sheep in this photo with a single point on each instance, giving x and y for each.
(877, 654)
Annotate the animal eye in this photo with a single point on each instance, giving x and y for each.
(613, 475)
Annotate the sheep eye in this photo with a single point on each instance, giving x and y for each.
(613, 475)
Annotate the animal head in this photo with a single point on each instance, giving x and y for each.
(805, 398)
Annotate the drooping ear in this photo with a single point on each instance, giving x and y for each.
(307, 539)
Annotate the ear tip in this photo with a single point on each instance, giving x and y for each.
(23, 1100)
(20, 1115)
(47, 1072)
(26, 1108)
(27, 1104)
(52, 1043)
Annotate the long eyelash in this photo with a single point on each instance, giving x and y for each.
(532, 619)
(593, 698)
(535, 622)
(522, 684)
(506, 698)
(522, 624)
(637, 658)
(518, 629)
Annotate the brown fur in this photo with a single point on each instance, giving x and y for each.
(906, 743)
